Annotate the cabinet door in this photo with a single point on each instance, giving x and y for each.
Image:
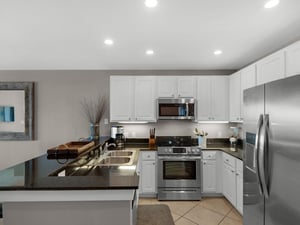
(239, 186)
(248, 80)
(186, 87)
(235, 97)
(204, 99)
(293, 59)
(121, 98)
(271, 68)
(166, 87)
(148, 177)
(209, 176)
(145, 98)
(229, 183)
(220, 98)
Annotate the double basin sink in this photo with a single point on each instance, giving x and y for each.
(114, 158)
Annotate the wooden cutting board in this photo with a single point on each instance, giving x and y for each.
(73, 147)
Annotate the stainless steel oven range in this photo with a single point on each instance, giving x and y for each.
(179, 175)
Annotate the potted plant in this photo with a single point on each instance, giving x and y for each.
(94, 110)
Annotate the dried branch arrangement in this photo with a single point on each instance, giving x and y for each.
(94, 108)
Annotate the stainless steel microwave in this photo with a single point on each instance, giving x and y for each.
(176, 108)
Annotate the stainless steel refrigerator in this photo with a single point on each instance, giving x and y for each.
(272, 153)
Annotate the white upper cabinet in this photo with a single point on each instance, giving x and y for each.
(248, 77)
(271, 68)
(132, 98)
(220, 97)
(248, 80)
(235, 97)
(186, 87)
(121, 98)
(213, 98)
(293, 59)
(145, 95)
(176, 86)
(166, 87)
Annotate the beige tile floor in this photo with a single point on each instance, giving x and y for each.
(208, 211)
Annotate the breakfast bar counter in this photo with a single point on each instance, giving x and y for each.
(62, 190)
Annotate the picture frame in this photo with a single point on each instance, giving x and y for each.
(19, 97)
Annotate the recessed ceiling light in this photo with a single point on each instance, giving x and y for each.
(150, 52)
(271, 4)
(151, 3)
(108, 42)
(218, 52)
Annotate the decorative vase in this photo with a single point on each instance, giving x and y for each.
(200, 140)
(94, 133)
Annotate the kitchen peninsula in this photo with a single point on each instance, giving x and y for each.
(52, 190)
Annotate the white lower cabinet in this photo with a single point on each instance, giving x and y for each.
(233, 181)
(229, 187)
(209, 168)
(147, 173)
(239, 185)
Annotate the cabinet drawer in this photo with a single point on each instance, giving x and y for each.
(148, 155)
(209, 154)
(228, 159)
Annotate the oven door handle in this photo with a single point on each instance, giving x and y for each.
(176, 158)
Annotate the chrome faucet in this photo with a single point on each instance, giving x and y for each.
(106, 146)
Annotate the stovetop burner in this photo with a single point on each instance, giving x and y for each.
(185, 141)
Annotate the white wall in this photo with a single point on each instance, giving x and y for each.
(58, 113)
(59, 117)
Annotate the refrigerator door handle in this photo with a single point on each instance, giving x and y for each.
(263, 155)
(256, 149)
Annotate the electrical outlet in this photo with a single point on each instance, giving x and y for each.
(105, 121)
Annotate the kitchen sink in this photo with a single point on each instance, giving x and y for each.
(120, 153)
(115, 160)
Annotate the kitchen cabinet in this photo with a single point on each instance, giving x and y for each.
(212, 173)
(147, 173)
(239, 185)
(235, 97)
(132, 98)
(176, 87)
(293, 59)
(233, 181)
(271, 68)
(145, 96)
(248, 80)
(238, 82)
(229, 178)
(209, 172)
(213, 98)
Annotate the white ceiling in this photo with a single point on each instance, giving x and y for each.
(69, 34)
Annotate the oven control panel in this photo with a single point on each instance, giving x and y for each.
(179, 151)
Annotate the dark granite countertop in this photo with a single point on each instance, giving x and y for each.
(42, 173)
(224, 145)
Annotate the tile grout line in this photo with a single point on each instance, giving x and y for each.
(233, 218)
(188, 212)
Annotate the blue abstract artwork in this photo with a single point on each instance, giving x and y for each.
(7, 114)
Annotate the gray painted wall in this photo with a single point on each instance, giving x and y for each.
(58, 113)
